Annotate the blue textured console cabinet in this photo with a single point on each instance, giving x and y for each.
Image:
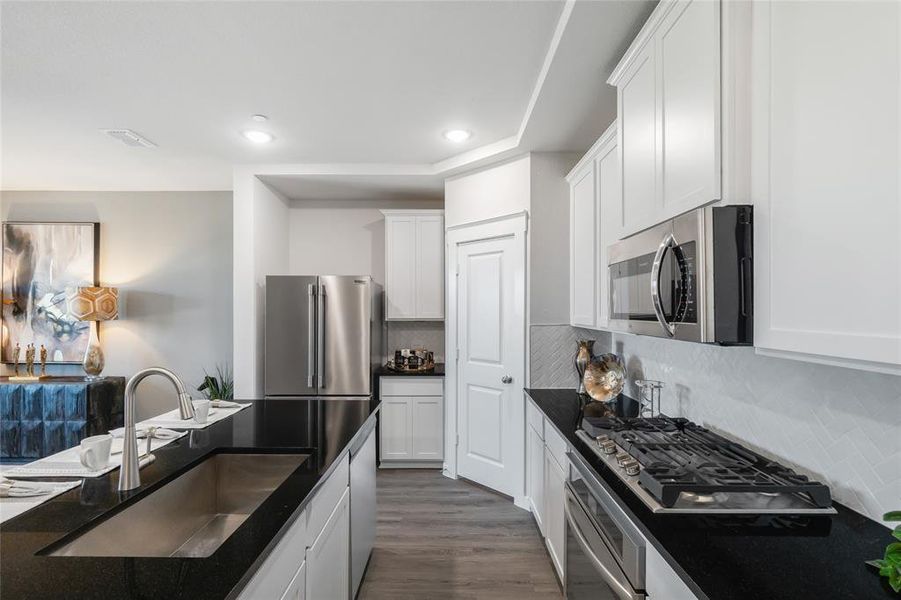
(42, 418)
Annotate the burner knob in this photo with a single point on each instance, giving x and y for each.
(631, 467)
(608, 447)
(622, 457)
(601, 439)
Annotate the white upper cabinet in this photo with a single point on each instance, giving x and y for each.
(607, 173)
(637, 110)
(668, 96)
(414, 265)
(595, 219)
(583, 250)
(688, 58)
(825, 181)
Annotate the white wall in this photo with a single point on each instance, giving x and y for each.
(342, 237)
(496, 191)
(260, 248)
(169, 253)
(549, 237)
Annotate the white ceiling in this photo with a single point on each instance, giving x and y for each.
(344, 83)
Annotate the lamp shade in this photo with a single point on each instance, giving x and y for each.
(93, 303)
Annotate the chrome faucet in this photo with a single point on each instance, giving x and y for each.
(130, 474)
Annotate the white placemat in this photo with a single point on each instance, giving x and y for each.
(68, 464)
(172, 419)
(13, 507)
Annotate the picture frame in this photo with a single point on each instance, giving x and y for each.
(40, 260)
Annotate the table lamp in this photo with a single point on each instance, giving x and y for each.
(93, 304)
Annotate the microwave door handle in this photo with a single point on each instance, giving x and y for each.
(615, 584)
(668, 242)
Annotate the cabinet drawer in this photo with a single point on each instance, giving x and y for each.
(556, 446)
(535, 418)
(327, 497)
(412, 386)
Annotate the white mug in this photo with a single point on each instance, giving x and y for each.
(201, 411)
(94, 451)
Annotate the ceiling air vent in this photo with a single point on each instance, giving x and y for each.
(129, 137)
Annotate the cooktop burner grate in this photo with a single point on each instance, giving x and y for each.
(679, 456)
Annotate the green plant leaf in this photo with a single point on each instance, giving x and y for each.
(896, 533)
(894, 515)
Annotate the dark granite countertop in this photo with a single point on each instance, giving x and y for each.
(323, 428)
(743, 557)
(384, 371)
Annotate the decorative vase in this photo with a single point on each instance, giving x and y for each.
(93, 356)
(583, 357)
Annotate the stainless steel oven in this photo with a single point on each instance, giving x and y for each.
(689, 278)
(605, 553)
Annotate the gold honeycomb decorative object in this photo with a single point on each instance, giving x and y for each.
(604, 377)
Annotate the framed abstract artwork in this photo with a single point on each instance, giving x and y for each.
(40, 261)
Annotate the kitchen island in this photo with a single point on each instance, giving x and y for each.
(327, 431)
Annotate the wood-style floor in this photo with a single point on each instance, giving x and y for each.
(442, 539)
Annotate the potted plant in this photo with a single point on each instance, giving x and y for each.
(890, 565)
(218, 387)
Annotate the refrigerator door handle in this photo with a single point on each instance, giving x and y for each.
(311, 337)
(321, 354)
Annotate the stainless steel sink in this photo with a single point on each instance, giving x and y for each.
(192, 515)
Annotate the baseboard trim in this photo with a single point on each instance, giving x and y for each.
(411, 464)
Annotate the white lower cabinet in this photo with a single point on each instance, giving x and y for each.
(327, 563)
(411, 423)
(554, 516)
(661, 581)
(312, 560)
(535, 478)
(546, 482)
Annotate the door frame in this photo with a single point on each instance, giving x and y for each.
(514, 225)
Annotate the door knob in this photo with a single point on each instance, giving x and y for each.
(506, 379)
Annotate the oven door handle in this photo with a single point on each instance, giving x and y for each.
(668, 243)
(622, 591)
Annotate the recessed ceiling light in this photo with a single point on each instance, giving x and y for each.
(259, 118)
(457, 135)
(258, 137)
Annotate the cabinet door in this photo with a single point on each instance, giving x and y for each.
(827, 265)
(400, 267)
(554, 515)
(396, 422)
(428, 428)
(609, 215)
(583, 251)
(535, 476)
(688, 63)
(328, 559)
(429, 267)
(637, 140)
(297, 590)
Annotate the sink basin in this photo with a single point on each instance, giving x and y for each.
(191, 516)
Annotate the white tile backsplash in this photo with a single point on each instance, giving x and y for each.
(840, 426)
(552, 350)
(416, 334)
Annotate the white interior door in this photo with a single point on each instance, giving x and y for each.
(491, 341)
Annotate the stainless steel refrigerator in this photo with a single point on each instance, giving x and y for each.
(323, 335)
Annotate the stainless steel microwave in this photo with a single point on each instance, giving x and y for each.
(690, 278)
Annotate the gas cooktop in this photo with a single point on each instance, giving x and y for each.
(675, 465)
